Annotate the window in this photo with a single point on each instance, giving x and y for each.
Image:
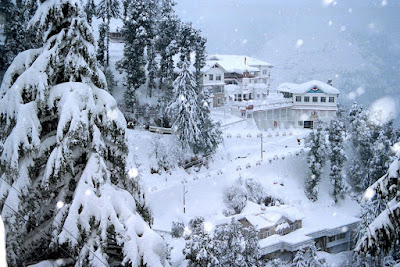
(258, 96)
(298, 98)
(264, 72)
(239, 97)
(306, 99)
(300, 124)
(218, 89)
(331, 99)
(218, 101)
(315, 99)
(331, 238)
(323, 99)
(341, 236)
(250, 96)
(218, 77)
(210, 77)
(291, 228)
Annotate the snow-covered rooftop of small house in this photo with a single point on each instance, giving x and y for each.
(307, 86)
(270, 216)
(236, 63)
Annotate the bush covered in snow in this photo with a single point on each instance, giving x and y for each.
(177, 229)
(236, 195)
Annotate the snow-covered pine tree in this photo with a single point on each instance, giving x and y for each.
(382, 156)
(166, 45)
(90, 9)
(235, 245)
(337, 158)
(151, 65)
(190, 117)
(383, 233)
(64, 189)
(298, 260)
(106, 10)
(198, 249)
(136, 31)
(313, 260)
(200, 58)
(316, 141)
(361, 147)
(17, 35)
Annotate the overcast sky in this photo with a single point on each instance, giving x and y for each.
(354, 42)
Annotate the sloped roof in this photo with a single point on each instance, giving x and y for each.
(270, 216)
(306, 87)
(237, 63)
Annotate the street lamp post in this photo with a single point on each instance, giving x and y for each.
(184, 182)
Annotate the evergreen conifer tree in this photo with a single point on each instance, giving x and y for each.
(337, 158)
(235, 245)
(90, 9)
(316, 160)
(65, 190)
(190, 117)
(136, 33)
(17, 35)
(383, 233)
(298, 260)
(166, 45)
(198, 249)
(107, 9)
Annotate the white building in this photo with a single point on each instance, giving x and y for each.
(312, 101)
(214, 82)
(245, 78)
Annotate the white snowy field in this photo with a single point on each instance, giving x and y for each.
(282, 173)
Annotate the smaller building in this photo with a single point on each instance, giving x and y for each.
(312, 101)
(277, 220)
(283, 230)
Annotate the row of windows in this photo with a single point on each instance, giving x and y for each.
(217, 77)
(315, 99)
(336, 237)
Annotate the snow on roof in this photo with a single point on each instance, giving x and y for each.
(270, 216)
(238, 64)
(307, 86)
(288, 242)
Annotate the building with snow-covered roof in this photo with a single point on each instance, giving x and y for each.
(246, 78)
(269, 221)
(283, 229)
(214, 82)
(312, 101)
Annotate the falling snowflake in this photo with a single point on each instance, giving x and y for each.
(299, 42)
(112, 114)
(208, 226)
(343, 28)
(88, 192)
(384, 3)
(60, 204)
(369, 194)
(244, 41)
(132, 173)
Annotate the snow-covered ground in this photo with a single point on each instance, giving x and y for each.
(282, 173)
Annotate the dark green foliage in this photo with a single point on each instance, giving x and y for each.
(316, 160)
(337, 158)
(18, 37)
